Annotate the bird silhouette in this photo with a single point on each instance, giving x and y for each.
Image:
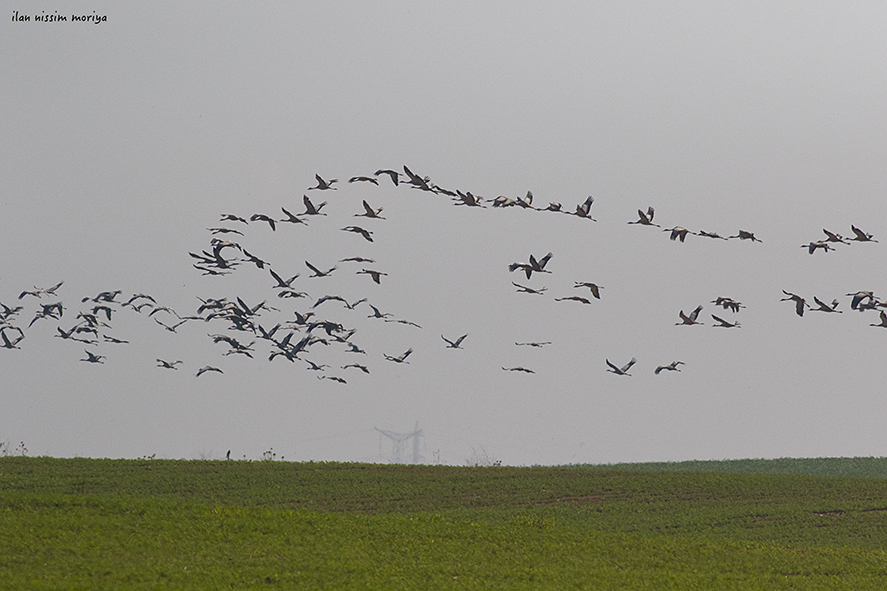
(525, 289)
(743, 235)
(645, 219)
(595, 289)
(823, 307)
(621, 371)
(358, 230)
(860, 236)
(369, 212)
(310, 208)
(323, 185)
(392, 174)
(376, 275)
(363, 179)
(818, 245)
(521, 369)
(691, 319)
(400, 358)
(532, 266)
(264, 218)
(678, 233)
(454, 344)
(293, 219)
(93, 358)
(883, 323)
(579, 299)
(318, 272)
(721, 323)
(673, 366)
(583, 210)
(800, 303)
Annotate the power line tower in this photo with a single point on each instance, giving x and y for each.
(398, 440)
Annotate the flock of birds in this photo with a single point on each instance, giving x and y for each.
(296, 338)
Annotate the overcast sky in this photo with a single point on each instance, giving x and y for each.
(122, 142)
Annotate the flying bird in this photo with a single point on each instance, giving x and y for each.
(454, 344)
(324, 185)
(358, 230)
(40, 291)
(168, 364)
(318, 272)
(376, 275)
(400, 358)
(207, 368)
(623, 371)
(678, 233)
(369, 212)
(535, 344)
(574, 298)
(832, 237)
(225, 231)
(363, 179)
(800, 303)
(721, 323)
(525, 289)
(819, 244)
(673, 366)
(393, 174)
(93, 358)
(645, 219)
(293, 219)
(691, 319)
(595, 289)
(883, 323)
(857, 303)
(280, 281)
(823, 307)
(860, 236)
(534, 265)
(743, 235)
(310, 208)
(261, 217)
(727, 303)
(522, 369)
(8, 344)
(583, 210)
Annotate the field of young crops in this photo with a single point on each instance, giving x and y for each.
(111, 524)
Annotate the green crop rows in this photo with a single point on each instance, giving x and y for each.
(162, 524)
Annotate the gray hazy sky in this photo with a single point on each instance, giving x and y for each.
(123, 142)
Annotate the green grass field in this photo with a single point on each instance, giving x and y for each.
(164, 524)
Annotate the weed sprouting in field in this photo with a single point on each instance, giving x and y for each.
(270, 455)
(6, 449)
(481, 458)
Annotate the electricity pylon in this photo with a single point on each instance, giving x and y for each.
(399, 439)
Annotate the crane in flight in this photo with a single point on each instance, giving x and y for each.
(533, 266)
(621, 371)
(645, 219)
(457, 344)
(800, 303)
(323, 185)
(673, 366)
(691, 319)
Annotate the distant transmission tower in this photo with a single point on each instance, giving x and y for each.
(397, 443)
